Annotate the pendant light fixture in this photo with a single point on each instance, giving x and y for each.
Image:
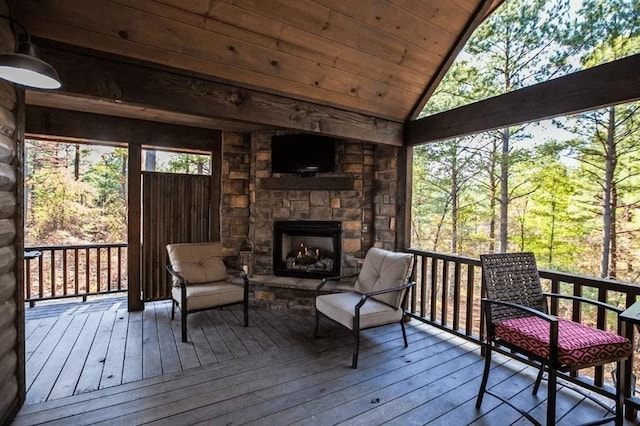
(23, 67)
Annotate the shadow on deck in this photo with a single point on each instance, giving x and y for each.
(95, 362)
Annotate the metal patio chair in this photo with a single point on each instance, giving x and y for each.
(201, 281)
(517, 318)
(379, 296)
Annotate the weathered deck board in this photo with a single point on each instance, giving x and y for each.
(273, 372)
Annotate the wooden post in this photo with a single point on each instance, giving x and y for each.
(133, 232)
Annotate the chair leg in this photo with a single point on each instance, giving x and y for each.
(356, 347)
(183, 311)
(404, 332)
(538, 380)
(551, 396)
(245, 306)
(315, 331)
(173, 309)
(619, 393)
(485, 375)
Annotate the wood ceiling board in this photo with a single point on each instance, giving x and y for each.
(84, 75)
(307, 15)
(199, 7)
(409, 27)
(436, 12)
(271, 34)
(139, 43)
(300, 43)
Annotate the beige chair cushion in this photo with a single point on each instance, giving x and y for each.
(340, 307)
(198, 263)
(383, 269)
(209, 295)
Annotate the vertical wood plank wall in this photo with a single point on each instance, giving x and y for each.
(176, 209)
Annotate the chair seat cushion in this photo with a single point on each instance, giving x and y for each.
(578, 345)
(340, 307)
(209, 295)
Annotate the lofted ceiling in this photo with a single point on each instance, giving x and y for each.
(378, 58)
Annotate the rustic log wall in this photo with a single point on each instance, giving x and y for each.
(11, 306)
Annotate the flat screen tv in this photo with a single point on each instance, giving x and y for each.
(303, 153)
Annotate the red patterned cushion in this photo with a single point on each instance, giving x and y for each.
(578, 345)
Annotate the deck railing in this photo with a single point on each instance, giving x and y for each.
(56, 272)
(448, 293)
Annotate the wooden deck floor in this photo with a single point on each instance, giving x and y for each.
(95, 363)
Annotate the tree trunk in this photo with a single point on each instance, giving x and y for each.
(150, 160)
(613, 264)
(492, 204)
(607, 213)
(504, 191)
(76, 165)
(454, 201)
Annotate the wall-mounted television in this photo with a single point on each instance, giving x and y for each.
(302, 153)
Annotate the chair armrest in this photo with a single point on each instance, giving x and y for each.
(176, 274)
(585, 300)
(527, 309)
(365, 296)
(326, 280)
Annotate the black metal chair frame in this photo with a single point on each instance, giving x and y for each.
(551, 364)
(356, 319)
(184, 309)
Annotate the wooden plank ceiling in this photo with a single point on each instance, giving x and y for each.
(380, 58)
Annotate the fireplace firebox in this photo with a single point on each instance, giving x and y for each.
(306, 248)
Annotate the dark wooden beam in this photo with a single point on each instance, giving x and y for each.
(134, 227)
(95, 127)
(484, 9)
(146, 90)
(608, 84)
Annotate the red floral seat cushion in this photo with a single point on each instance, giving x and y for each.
(578, 345)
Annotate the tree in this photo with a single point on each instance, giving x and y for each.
(606, 31)
(517, 46)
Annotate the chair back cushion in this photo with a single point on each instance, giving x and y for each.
(198, 262)
(512, 277)
(381, 270)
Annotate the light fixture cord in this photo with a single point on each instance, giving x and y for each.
(13, 22)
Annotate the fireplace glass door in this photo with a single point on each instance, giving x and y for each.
(307, 249)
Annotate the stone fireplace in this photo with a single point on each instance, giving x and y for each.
(364, 195)
(307, 248)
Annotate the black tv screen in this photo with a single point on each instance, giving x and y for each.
(304, 154)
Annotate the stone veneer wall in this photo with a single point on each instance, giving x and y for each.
(370, 212)
(353, 207)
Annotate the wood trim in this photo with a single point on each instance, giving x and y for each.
(148, 92)
(134, 266)
(484, 9)
(608, 84)
(19, 247)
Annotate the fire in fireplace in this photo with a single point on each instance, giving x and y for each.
(306, 249)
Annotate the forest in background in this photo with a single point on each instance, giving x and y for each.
(77, 193)
(569, 189)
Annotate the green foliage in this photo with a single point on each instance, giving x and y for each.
(558, 192)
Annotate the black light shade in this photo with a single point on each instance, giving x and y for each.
(25, 68)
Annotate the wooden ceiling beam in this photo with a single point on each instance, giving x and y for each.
(608, 84)
(152, 93)
(116, 130)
